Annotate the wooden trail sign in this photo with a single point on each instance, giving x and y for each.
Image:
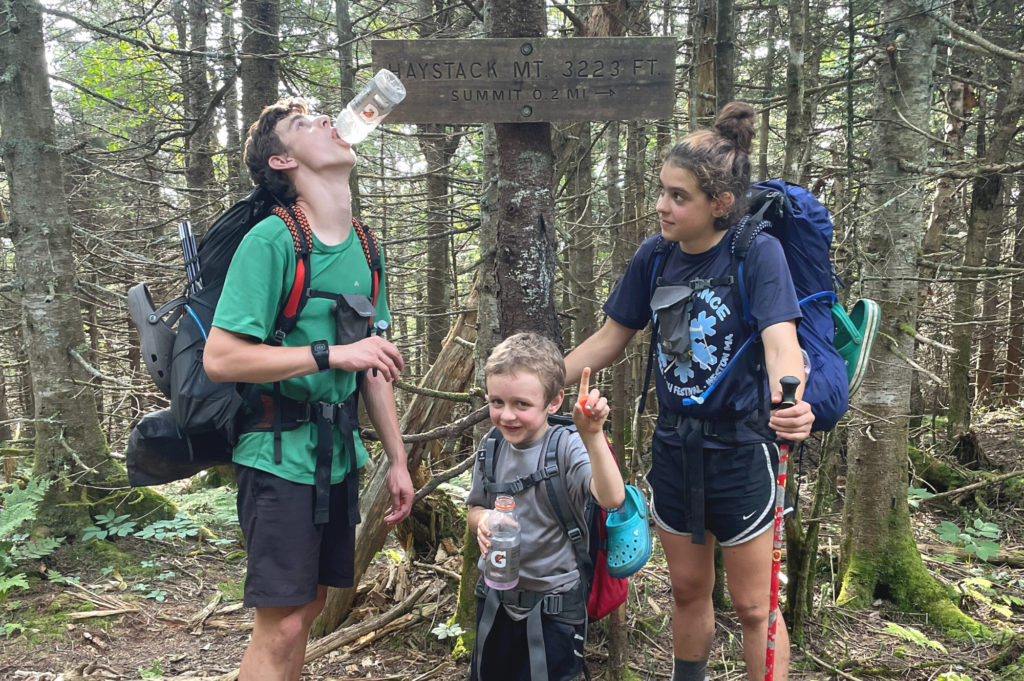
(530, 80)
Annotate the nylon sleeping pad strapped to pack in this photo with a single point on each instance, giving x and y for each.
(629, 535)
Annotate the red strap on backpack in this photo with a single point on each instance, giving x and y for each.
(607, 593)
(302, 241)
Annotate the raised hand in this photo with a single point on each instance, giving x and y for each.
(591, 410)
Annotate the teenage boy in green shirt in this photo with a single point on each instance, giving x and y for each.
(292, 559)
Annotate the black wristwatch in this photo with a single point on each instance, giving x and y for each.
(322, 354)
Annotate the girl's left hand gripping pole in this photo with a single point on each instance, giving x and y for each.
(789, 386)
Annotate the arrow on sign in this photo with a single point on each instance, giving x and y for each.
(608, 92)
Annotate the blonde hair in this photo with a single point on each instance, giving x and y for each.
(529, 353)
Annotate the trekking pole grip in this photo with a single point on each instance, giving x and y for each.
(789, 386)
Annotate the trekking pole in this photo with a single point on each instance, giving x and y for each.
(789, 386)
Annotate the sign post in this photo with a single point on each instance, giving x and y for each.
(531, 80)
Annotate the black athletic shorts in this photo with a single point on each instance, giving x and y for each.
(289, 555)
(506, 656)
(739, 490)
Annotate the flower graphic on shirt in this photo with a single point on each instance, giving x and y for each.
(700, 330)
(682, 370)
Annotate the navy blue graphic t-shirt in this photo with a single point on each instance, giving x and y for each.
(717, 329)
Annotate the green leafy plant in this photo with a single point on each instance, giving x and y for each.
(107, 525)
(181, 527)
(977, 539)
(915, 495)
(9, 582)
(953, 676)
(155, 671)
(12, 627)
(17, 507)
(914, 636)
(163, 576)
(156, 594)
(443, 631)
(983, 591)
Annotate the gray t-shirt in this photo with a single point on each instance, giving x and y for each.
(547, 563)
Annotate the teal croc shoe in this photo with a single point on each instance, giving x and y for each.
(629, 535)
(855, 337)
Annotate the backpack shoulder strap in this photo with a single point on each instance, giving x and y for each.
(302, 242)
(559, 497)
(487, 459)
(661, 252)
(371, 249)
(743, 237)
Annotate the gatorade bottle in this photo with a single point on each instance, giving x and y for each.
(501, 569)
(365, 112)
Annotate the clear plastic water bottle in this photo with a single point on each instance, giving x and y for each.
(807, 363)
(367, 109)
(501, 569)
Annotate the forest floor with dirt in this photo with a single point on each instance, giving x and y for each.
(182, 614)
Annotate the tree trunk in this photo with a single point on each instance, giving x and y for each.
(702, 73)
(237, 174)
(348, 87)
(434, 146)
(990, 324)
(486, 338)
(766, 115)
(944, 205)
(795, 91)
(199, 171)
(725, 53)
(67, 430)
(578, 185)
(525, 258)
(261, 26)
(879, 554)
(985, 213)
(1015, 339)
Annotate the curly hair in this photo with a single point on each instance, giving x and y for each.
(529, 353)
(263, 142)
(720, 159)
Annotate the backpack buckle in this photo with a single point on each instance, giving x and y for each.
(516, 486)
(549, 471)
(279, 335)
(575, 535)
(329, 411)
(552, 604)
(699, 284)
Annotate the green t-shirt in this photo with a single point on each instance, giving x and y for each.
(255, 290)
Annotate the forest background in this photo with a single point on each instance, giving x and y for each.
(118, 119)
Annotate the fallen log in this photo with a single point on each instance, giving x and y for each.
(451, 372)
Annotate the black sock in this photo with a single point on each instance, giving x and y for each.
(690, 670)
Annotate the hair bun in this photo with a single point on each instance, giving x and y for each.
(735, 122)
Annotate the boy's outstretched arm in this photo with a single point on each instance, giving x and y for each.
(589, 414)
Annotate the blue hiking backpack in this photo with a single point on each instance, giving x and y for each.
(803, 226)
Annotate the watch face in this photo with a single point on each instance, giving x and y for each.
(320, 346)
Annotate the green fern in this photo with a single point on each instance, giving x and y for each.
(10, 582)
(35, 549)
(913, 636)
(19, 505)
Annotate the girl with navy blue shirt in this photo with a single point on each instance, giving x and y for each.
(714, 457)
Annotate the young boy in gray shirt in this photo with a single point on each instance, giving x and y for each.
(523, 633)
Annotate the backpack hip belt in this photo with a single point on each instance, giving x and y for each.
(569, 607)
(751, 430)
(280, 413)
